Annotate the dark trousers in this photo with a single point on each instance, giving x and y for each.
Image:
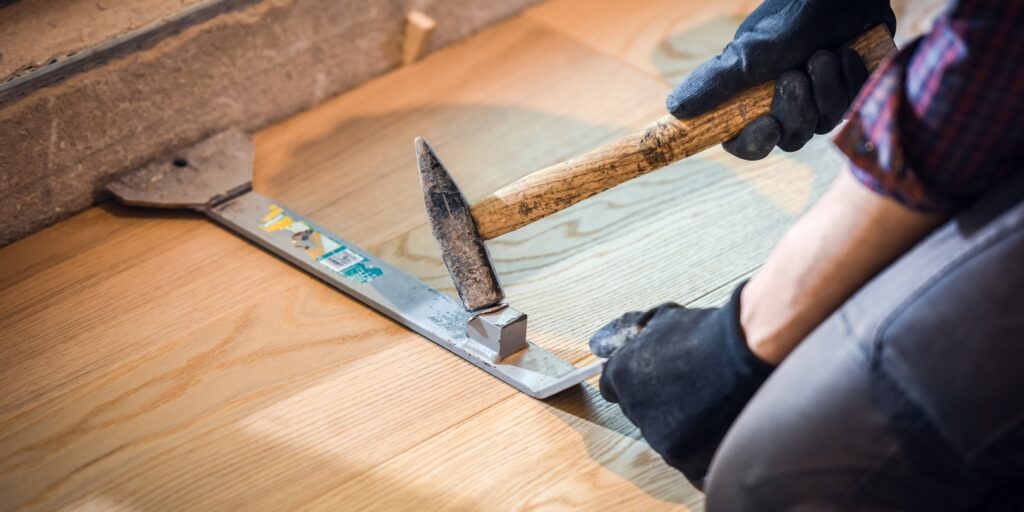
(909, 397)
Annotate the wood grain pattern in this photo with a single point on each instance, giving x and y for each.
(156, 361)
(648, 149)
(668, 39)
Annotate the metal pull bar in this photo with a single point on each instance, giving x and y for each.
(403, 298)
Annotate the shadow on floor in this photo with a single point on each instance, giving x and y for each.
(679, 54)
(582, 408)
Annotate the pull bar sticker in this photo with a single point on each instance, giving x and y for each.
(321, 248)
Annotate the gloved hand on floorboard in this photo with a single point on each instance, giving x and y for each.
(792, 42)
(682, 375)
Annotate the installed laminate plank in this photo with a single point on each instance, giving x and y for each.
(22, 261)
(580, 454)
(264, 407)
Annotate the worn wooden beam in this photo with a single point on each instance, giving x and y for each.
(66, 128)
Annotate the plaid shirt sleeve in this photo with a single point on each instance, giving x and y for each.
(942, 122)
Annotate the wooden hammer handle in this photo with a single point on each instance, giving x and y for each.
(654, 146)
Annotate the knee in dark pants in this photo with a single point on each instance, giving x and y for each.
(807, 436)
(815, 438)
(735, 482)
(905, 399)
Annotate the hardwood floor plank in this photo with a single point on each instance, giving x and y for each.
(606, 468)
(24, 260)
(264, 407)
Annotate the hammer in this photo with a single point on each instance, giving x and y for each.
(461, 229)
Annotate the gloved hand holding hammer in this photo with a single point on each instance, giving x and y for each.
(683, 375)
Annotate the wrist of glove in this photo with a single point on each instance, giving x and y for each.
(682, 376)
(796, 43)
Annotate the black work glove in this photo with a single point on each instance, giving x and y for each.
(682, 376)
(793, 42)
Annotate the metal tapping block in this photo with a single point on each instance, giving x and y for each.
(501, 330)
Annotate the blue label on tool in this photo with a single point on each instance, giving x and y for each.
(319, 246)
(348, 263)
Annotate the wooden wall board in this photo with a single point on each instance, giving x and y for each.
(156, 360)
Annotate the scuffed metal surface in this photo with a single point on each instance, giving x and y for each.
(214, 170)
(462, 248)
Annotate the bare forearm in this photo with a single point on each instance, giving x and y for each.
(848, 237)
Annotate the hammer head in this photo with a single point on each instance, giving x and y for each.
(452, 223)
